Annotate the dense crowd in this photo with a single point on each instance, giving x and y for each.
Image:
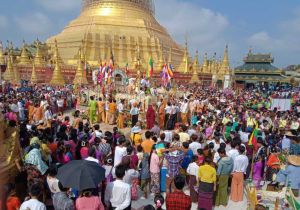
(199, 147)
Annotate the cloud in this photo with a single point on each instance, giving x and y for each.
(205, 28)
(36, 24)
(60, 5)
(3, 21)
(283, 43)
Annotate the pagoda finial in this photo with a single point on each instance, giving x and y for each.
(196, 67)
(205, 64)
(225, 66)
(9, 72)
(24, 59)
(34, 78)
(80, 77)
(184, 66)
(38, 59)
(250, 50)
(2, 59)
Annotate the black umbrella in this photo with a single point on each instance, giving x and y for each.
(81, 174)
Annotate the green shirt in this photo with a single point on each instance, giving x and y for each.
(93, 105)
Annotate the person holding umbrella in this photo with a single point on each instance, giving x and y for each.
(118, 193)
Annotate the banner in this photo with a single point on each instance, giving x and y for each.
(281, 104)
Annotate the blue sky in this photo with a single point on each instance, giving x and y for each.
(268, 26)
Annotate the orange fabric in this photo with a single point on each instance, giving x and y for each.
(30, 112)
(112, 108)
(147, 145)
(161, 116)
(273, 159)
(13, 203)
(237, 187)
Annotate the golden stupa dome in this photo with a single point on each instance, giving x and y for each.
(117, 26)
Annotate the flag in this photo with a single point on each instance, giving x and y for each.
(150, 71)
(253, 137)
(170, 70)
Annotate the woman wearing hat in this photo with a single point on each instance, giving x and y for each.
(290, 175)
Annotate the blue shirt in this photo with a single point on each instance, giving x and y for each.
(286, 143)
(290, 175)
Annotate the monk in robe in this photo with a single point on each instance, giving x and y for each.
(92, 109)
(150, 117)
(30, 112)
(101, 110)
(112, 111)
(37, 113)
(161, 114)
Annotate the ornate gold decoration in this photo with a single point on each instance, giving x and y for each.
(38, 58)
(57, 77)
(196, 66)
(2, 59)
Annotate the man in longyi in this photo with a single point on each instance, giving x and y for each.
(101, 110)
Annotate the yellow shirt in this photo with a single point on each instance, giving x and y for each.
(207, 173)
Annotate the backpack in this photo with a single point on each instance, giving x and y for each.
(134, 189)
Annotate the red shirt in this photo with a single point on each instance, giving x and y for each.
(13, 203)
(177, 200)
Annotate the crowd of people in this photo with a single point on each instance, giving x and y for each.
(197, 148)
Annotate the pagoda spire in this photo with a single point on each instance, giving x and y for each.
(205, 64)
(33, 78)
(57, 77)
(16, 75)
(196, 67)
(184, 66)
(56, 55)
(214, 64)
(225, 66)
(2, 59)
(9, 72)
(80, 77)
(24, 59)
(38, 58)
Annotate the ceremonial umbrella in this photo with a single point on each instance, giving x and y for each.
(81, 174)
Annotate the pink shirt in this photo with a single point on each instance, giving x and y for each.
(89, 203)
(154, 164)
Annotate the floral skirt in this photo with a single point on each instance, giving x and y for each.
(155, 184)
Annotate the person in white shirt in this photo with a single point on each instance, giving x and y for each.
(192, 170)
(60, 105)
(195, 145)
(184, 108)
(240, 165)
(118, 193)
(120, 151)
(33, 203)
(233, 152)
(92, 155)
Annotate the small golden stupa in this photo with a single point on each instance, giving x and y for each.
(2, 59)
(38, 58)
(9, 72)
(225, 66)
(80, 77)
(57, 77)
(24, 58)
(117, 25)
(34, 78)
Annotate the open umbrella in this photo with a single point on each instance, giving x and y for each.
(81, 174)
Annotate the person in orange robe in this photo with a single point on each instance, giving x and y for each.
(30, 112)
(150, 117)
(161, 114)
(101, 110)
(112, 109)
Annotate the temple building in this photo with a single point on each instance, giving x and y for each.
(258, 68)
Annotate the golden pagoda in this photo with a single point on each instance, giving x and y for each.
(57, 77)
(184, 65)
(9, 72)
(80, 77)
(34, 78)
(24, 58)
(196, 66)
(38, 58)
(214, 65)
(56, 55)
(225, 66)
(16, 79)
(205, 67)
(2, 58)
(105, 24)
